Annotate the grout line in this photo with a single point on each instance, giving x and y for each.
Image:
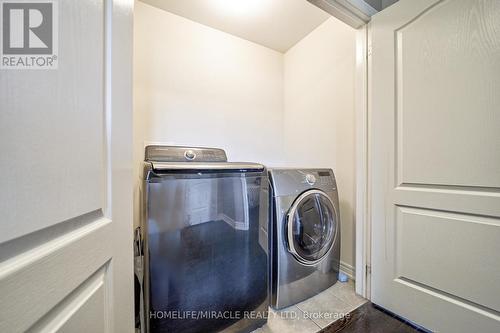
(303, 313)
(343, 305)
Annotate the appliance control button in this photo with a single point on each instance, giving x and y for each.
(310, 179)
(189, 154)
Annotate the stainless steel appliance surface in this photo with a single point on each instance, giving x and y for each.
(304, 234)
(205, 241)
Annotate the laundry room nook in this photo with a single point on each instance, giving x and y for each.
(249, 166)
(269, 82)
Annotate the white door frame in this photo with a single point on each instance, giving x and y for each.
(119, 160)
(361, 105)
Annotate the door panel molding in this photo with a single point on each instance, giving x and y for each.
(39, 279)
(51, 130)
(478, 309)
(35, 239)
(79, 304)
(428, 115)
(429, 249)
(474, 202)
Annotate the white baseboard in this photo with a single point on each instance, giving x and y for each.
(238, 225)
(348, 270)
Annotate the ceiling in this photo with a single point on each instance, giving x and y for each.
(277, 24)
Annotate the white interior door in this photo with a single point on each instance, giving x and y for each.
(65, 179)
(435, 162)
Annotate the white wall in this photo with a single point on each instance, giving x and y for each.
(319, 118)
(195, 85)
(198, 86)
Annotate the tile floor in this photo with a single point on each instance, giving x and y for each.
(316, 313)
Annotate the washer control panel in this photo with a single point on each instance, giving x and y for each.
(190, 154)
(159, 153)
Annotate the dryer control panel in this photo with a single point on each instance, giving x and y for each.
(310, 179)
(326, 178)
(292, 181)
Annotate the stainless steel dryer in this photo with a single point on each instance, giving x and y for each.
(304, 234)
(205, 241)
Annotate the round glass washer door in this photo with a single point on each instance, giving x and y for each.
(311, 227)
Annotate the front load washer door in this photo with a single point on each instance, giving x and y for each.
(311, 226)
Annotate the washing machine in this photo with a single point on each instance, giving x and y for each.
(304, 234)
(203, 242)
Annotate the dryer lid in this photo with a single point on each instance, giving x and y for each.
(206, 167)
(160, 159)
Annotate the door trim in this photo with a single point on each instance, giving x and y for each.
(363, 223)
(118, 160)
